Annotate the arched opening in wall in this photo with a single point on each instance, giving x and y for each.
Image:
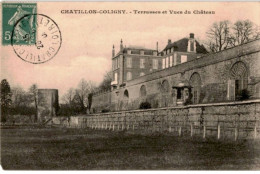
(126, 95)
(165, 87)
(165, 93)
(142, 91)
(238, 80)
(195, 82)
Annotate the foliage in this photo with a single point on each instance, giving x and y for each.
(145, 105)
(22, 110)
(218, 35)
(77, 101)
(81, 94)
(67, 98)
(243, 95)
(105, 110)
(223, 34)
(244, 31)
(105, 85)
(20, 97)
(90, 100)
(33, 90)
(6, 100)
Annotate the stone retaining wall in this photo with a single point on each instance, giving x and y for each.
(233, 120)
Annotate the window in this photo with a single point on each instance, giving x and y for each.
(170, 61)
(117, 63)
(155, 63)
(142, 74)
(128, 76)
(129, 62)
(183, 58)
(163, 63)
(167, 62)
(115, 77)
(142, 61)
(175, 59)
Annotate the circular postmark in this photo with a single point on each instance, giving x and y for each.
(36, 38)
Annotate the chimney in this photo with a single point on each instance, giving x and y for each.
(169, 41)
(113, 51)
(191, 44)
(157, 49)
(121, 45)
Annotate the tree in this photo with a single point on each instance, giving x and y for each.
(222, 35)
(33, 91)
(244, 31)
(81, 94)
(6, 100)
(67, 98)
(19, 97)
(218, 35)
(106, 83)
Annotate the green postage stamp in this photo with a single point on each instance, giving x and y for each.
(19, 15)
(35, 38)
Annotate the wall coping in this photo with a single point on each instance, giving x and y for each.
(179, 107)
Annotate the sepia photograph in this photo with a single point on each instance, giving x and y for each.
(130, 85)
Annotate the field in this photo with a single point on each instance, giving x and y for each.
(62, 148)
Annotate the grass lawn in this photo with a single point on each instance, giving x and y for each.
(62, 148)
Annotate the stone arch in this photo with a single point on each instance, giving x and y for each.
(165, 97)
(195, 82)
(143, 91)
(239, 72)
(126, 94)
(238, 78)
(165, 86)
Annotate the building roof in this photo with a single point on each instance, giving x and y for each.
(135, 48)
(182, 46)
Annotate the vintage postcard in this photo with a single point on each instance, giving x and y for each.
(130, 85)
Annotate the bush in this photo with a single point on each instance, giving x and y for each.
(243, 95)
(145, 105)
(105, 110)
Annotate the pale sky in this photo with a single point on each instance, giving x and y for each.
(88, 38)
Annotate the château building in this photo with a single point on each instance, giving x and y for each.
(182, 73)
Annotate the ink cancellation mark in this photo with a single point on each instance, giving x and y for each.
(36, 38)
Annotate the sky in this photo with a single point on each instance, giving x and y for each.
(87, 39)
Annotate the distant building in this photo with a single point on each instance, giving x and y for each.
(132, 62)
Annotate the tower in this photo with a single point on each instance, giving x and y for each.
(121, 45)
(113, 51)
